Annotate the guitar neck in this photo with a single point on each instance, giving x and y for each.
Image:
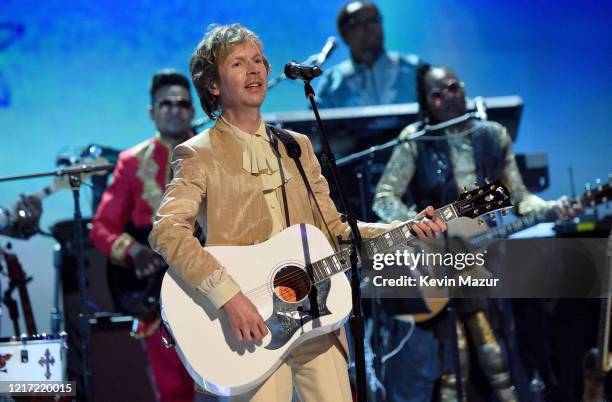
(591, 197)
(401, 235)
(26, 306)
(470, 204)
(45, 192)
(513, 227)
(18, 277)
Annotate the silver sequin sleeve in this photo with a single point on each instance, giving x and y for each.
(393, 184)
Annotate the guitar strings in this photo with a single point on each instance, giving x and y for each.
(295, 279)
(292, 280)
(298, 279)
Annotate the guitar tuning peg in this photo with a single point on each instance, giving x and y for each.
(487, 180)
(465, 190)
(480, 221)
(492, 216)
(504, 212)
(587, 186)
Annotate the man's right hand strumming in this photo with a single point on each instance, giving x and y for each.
(245, 320)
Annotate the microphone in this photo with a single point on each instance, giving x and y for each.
(328, 48)
(293, 71)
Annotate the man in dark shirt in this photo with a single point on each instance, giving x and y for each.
(372, 75)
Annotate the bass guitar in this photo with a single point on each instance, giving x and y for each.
(477, 237)
(592, 197)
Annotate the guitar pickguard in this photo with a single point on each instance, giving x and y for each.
(287, 318)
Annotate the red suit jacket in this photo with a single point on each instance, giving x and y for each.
(132, 197)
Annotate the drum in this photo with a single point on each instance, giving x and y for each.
(33, 358)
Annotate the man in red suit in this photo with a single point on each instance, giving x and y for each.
(124, 217)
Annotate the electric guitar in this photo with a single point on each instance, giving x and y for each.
(592, 197)
(19, 280)
(138, 297)
(477, 238)
(26, 225)
(131, 295)
(295, 280)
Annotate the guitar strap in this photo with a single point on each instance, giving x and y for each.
(274, 142)
(294, 152)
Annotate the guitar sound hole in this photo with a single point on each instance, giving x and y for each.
(291, 284)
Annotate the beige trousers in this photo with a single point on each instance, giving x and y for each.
(318, 370)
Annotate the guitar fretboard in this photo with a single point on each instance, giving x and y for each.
(591, 197)
(401, 235)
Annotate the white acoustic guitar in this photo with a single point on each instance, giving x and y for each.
(291, 279)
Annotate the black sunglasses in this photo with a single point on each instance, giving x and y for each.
(360, 21)
(168, 103)
(453, 88)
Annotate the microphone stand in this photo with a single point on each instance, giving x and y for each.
(365, 157)
(370, 152)
(74, 176)
(356, 320)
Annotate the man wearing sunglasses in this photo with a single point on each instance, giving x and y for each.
(372, 75)
(124, 217)
(433, 169)
(434, 172)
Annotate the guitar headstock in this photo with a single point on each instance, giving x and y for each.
(600, 194)
(489, 198)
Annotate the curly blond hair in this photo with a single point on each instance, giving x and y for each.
(204, 63)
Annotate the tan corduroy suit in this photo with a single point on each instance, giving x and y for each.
(210, 185)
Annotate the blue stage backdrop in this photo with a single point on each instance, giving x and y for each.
(77, 72)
